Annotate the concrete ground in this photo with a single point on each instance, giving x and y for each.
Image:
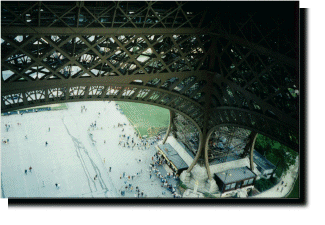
(73, 157)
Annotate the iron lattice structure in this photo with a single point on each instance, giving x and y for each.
(216, 64)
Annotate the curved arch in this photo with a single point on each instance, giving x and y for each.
(282, 132)
(206, 158)
(171, 116)
(201, 138)
(229, 108)
(108, 99)
(252, 151)
(95, 83)
(255, 130)
(65, 96)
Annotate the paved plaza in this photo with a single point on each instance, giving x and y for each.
(84, 159)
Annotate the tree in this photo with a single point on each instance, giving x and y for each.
(276, 153)
(263, 144)
(286, 156)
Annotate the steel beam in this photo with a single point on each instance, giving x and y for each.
(251, 148)
(260, 49)
(99, 31)
(171, 117)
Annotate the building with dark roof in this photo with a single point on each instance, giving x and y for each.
(233, 179)
(263, 165)
(174, 160)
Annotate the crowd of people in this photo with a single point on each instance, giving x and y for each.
(158, 160)
(127, 141)
(128, 186)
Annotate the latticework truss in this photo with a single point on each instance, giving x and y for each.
(227, 144)
(210, 63)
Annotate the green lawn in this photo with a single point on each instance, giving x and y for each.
(59, 106)
(147, 119)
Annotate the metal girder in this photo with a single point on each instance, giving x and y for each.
(277, 130)
(260, 49)
(98, 31)
(265, 105)
(120, 80)
(65, 85)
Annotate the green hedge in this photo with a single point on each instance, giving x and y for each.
(264, 184)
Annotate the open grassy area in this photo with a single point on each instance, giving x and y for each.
(147, 119)
(58, 106)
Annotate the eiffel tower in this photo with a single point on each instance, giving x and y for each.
(212, 64)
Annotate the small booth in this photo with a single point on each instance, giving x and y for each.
(263, 165)
(173, 159)
(233, 179)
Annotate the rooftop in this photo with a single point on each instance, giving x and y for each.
(173, 156)
(262, 161)
(233, 175)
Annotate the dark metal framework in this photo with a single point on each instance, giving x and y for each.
(227, 144)
(215, 64)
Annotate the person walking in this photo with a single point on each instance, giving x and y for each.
(46, 143)
(30, 169)
(110, 168)
(104, 160)
(26, 172)
(95, 177)
(49, 129)
(150, 175)
(57, 185)
(25, 136)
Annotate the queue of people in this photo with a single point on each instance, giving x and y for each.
(158, 160)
